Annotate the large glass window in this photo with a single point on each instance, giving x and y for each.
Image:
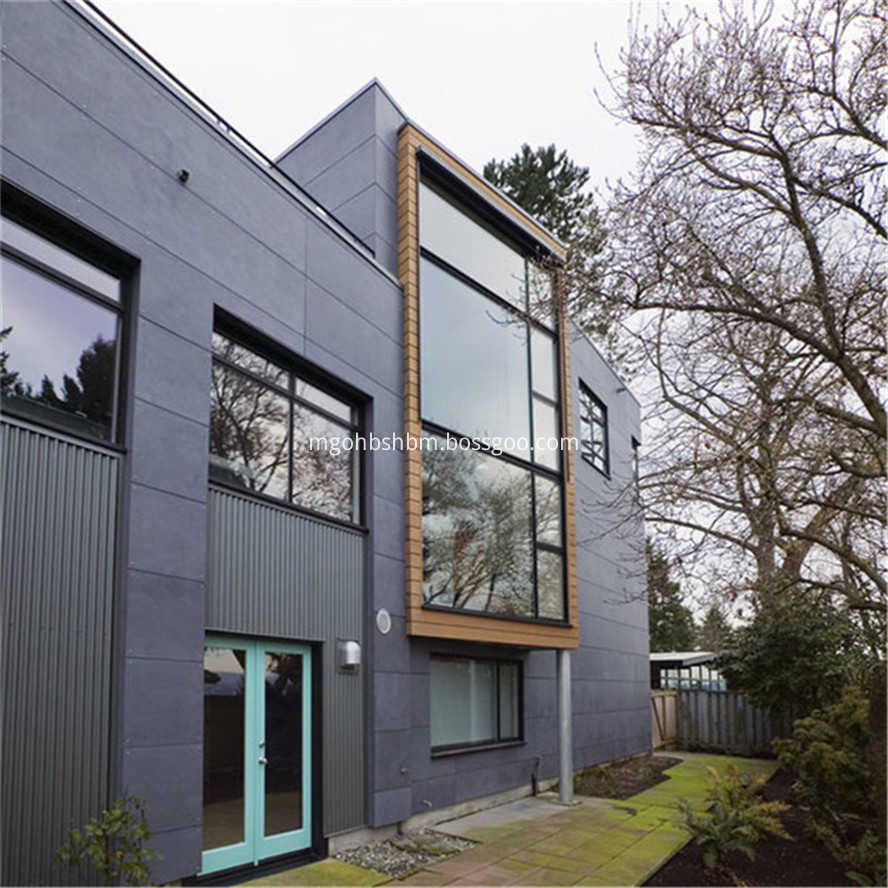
(475, 374)
(490, 405)
(59, 337)
(465, 242)
(273, 433)
(474, 702)
(593, 430)
(477, 531)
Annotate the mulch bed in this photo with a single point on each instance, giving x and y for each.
(777, 861)
(619, 780)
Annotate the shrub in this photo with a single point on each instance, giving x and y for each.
(827, 753)
(840, 783)
(113, 843)
(797, 654)
(737, 818)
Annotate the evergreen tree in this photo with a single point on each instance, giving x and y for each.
(551, 187)
(8, 378)
(670, 621)
(714, 632)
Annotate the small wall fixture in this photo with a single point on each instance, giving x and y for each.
(349, 655)
(183, 176)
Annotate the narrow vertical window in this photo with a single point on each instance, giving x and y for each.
(635, 469)
(593, 430)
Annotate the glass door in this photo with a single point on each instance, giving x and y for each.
(257, 751)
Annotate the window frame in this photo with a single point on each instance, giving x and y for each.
(431, 177)
(443, 750)
(588, 421)
(66, 236)
(297, 371)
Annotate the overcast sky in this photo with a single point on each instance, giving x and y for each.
(483, 78)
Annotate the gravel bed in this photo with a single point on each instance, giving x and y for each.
(402, 855)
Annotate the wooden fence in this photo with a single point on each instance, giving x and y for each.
(724, 721)
(721, 721)
(664, 718)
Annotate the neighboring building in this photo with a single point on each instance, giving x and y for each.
(686, 671)
(189, 583)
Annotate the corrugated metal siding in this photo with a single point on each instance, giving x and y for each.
(279, 574)
(57, 571)
(727, 722)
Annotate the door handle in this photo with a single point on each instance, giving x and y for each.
(263, 760)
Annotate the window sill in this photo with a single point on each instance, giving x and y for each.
(284, 506)
(480, 747)
(57, 430)
(510, 618)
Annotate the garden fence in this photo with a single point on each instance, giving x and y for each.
(725, 721)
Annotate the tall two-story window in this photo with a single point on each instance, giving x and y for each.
(490, 406)
(60, 336)
(275, 434)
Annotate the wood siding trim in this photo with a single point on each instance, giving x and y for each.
(461, 624)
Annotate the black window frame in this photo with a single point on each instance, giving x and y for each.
(297, 370)
(479, 746)
(600, 461)
(636, 457)
(432, 175)
(66, 235)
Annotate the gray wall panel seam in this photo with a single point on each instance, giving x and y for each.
(146, 238)
(168, 173)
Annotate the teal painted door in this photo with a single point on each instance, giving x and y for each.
(257, 751)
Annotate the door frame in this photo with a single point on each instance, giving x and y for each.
(255, 846)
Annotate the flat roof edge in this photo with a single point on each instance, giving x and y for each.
(111, 31)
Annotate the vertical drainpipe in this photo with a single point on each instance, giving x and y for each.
(565, 730)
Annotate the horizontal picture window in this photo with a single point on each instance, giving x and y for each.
(60, 337)
(274, 434)
(474, 702)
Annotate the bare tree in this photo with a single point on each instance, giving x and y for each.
(750, 248)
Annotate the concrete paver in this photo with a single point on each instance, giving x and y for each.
(534, 841)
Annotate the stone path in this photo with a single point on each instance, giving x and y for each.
(535, 841)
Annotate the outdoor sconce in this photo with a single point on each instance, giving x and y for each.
(349, 656)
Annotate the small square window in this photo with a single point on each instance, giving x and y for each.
(593, 430)
(474, 703)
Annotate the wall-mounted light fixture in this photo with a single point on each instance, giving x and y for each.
(349, 655)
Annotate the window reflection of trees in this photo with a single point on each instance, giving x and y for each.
(321, 481)
(87, 396)
(263, 440)
(248, 433)
(477, 537)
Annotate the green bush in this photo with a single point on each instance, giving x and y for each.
(113, 843)
(831, 758)
(827, 753)
(796, 655)
(736, 819)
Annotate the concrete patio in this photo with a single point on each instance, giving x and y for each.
(535, 841)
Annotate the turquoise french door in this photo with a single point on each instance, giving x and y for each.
(257, 751)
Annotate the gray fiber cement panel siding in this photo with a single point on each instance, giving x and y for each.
(93, 136)
(611, 684)
(57, 574)
(349, 163)
(277, 574)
